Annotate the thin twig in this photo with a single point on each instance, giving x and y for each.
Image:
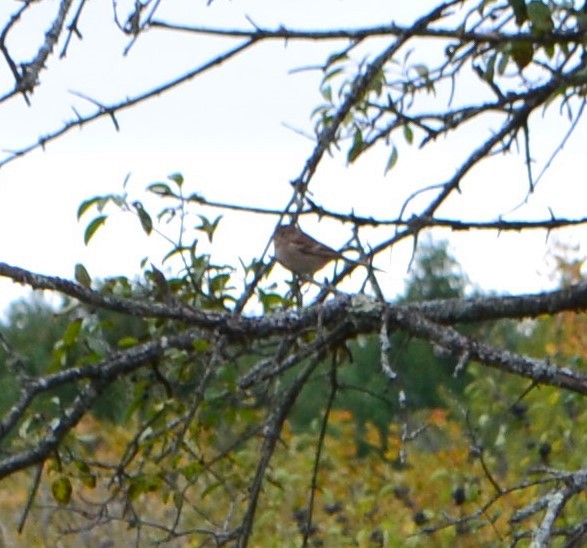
(320, 447)
(31, 497)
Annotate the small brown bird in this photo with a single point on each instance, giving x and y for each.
(301, 253)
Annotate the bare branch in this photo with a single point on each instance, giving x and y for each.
(110, 110)
(392, 29)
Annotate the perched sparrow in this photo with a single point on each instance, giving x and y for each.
(300, 253)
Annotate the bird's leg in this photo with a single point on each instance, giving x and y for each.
(329, 287)
(296, 289)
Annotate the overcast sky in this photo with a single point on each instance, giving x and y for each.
(230, 133)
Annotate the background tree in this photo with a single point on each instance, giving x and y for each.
(220, 353)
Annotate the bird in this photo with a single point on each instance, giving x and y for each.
(302, 254)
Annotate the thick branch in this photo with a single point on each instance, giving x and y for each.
(31, 70)
(540, 371)
(335, 321)
(447, 311)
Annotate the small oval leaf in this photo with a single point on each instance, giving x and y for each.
(392, 160)
(82, 276)
(85, 205)
(356, 148)
(61, 490)
(540, 17)
(520, 11)
(408, 134)
(144, 217)
(161, 189)
(92, 227)
(522, 53)
(177, 178)
(127, 342)
(71, 333)
(422, 71)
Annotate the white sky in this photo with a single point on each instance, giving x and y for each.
(226, 132)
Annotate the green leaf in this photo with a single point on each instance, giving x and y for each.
(502, 64)
(209, 227)
(93, 227)
(143, 483)
(489, 71)
(89, 480)
(144, 217)
(177, 178)
(61, 490)
(218, 283)
(336, 57)
(58, 358)
(161, 189)
(326, 92)
(422, 71)
(85, 474)
(392, 159)
(210, 489)
(195, 197)
(167, 214)
(378, 82)
(520, 11)
(175, 251)
(408, 134)
(522, 53)
(331, 74)
(159, 278)
(71, 333)
(192, 470)
(118, 199)
(87, 204)
(82, 276)
(549, 50)
(271, 301)
(201, 345)
(540, 17)
(127, 342)
(356, 148)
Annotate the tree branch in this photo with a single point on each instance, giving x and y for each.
(110, 110)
